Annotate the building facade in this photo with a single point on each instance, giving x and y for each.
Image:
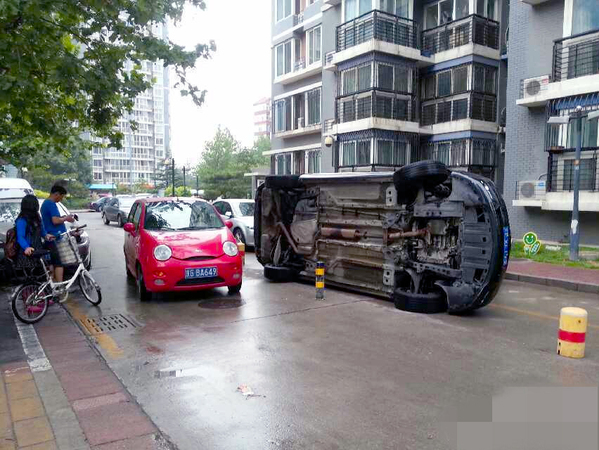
(389, 82)
(554, 67)
(144, 149)
(262, 118)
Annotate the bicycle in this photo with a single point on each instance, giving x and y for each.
(31, 299)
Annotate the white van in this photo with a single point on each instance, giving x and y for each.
(14, 188)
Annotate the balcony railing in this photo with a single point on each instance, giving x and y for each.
(473, 106)
(561, 171)
(576, 56)
(472, 29)
(300, 64)
(375, 104)
(380, 26)
(461, 153)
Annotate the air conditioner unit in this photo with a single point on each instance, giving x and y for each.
(531, 189)
(532, 86)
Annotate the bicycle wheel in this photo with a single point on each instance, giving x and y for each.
(90, 289)
(30, 302)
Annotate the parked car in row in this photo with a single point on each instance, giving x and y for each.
(241, 213)
(98, 205)
(117, 209)
(178, 244)
(428, 238)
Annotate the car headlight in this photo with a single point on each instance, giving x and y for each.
(230, 248)
(162, 252)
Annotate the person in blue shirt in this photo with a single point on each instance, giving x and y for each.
(30, 231)
(54, 224)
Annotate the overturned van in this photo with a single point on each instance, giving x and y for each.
(428, 238)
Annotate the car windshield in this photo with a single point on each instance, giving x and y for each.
(178, 215)
(9, 211)
(246, 208)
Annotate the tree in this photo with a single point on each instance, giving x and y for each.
(224, 162)
(63, 68)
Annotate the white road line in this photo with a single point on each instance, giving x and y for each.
(36, 357)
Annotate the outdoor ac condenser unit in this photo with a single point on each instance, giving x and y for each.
(531, 189)
(532, 86)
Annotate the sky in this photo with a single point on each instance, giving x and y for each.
(237, 75)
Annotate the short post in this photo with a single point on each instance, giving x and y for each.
(319, 272)
(241, 247)
(571, 335)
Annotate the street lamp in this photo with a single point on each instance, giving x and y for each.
(577, 115)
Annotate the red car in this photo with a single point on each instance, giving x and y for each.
(180, 245)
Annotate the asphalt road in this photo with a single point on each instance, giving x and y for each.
(349, 372)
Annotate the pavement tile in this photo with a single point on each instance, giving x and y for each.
(102, 384)
(14, 366)
(26, 408)
(33, 431)
(76, 365)
(5, 426)
(3, 400)
(68, 434)
(71, 356)
(16, 376)
(114, 422)
(50, 445)
(22, 389)
(7, 444)
(148, 442)
(94, 402)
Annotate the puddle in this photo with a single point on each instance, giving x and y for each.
(222, 303)
(207, 372)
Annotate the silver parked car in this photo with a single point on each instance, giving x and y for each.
(117, 209)
(241, 213)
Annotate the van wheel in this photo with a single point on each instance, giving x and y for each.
(239, 235)
(427, 174)
(279, 274)
(429, 303)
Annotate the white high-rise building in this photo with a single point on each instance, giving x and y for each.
(144, 149)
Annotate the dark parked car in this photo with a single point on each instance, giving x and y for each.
(428, 238)
(98, 205)
(117, 210)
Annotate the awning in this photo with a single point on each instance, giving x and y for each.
(101, 187)
(573, 102)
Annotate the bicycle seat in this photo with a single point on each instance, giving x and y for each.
(40, 253)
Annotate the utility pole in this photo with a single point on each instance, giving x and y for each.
(173, 162)
(197, 185)
(184, 185)
(574, 226)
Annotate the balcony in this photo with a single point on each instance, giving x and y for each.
(575, 71)
(377, 31)
(300, 71)
(376, 109)
(471, 30)
(457, 113)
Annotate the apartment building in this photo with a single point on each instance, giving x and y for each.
(388, 82)
(262, 118)
(554, 68)
(145, 148)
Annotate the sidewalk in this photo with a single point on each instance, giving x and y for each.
(64, 397)
(571, 278)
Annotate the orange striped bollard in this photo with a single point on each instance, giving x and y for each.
(319, 272)
(571, 335)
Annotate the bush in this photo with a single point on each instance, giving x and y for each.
(41, 194)
(76, 203)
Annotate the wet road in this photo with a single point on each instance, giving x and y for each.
(349, 372)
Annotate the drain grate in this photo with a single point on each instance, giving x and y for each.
(107, 324)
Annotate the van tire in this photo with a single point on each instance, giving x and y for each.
(427, 174)
(283, 182)
(279, 274)
(429, 303)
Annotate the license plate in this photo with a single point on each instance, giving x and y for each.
(202, 272)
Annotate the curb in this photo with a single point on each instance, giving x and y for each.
(554, 282)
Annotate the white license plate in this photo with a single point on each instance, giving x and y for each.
(202, 272)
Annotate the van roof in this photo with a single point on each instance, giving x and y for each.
(14, 188)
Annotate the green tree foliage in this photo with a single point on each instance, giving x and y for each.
(63, 68)
(72, 168)
(224, 162)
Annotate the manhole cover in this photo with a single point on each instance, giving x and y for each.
(221, 304)
(106, 324)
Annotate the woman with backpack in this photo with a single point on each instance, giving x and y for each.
(30, 230)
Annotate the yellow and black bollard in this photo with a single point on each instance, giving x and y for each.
(319, 280)
(241, 247)
(571, 335)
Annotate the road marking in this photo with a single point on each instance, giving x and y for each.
(106, 342)
(532, 313)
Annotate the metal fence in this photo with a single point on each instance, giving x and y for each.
(474, 106)
(376, 104)
(471, 29)
(561, 171)
(576, 56)
(465, 153)
(380, 26)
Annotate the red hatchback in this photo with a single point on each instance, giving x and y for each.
(180, 245)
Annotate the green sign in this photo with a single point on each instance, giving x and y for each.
(530, 238)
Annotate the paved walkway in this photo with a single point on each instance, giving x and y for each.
(64, 396)
(572, 278)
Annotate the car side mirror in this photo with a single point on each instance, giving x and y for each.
(229, 224)
(129, 228)
(76, 217)
(229, 214)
